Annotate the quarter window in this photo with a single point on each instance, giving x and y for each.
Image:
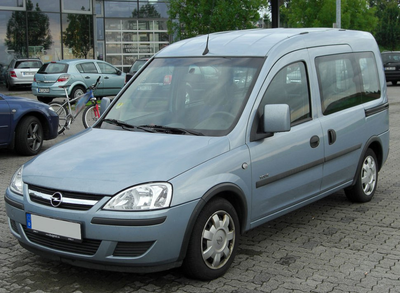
(347, 80)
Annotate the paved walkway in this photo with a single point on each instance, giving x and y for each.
(330, 246)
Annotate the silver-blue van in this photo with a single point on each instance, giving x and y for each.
(214, 136)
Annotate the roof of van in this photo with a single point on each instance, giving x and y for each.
(259, 42)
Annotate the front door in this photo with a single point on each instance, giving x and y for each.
(5, 120)
(287, 167)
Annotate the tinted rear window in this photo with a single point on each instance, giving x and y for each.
(28, 64)
(49, 68)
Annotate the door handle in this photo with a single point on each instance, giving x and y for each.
(331, 136)
(314, 141)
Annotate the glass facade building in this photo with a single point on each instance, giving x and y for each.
(116, 31)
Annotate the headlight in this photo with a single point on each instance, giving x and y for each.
(151, 196)
(16, 182)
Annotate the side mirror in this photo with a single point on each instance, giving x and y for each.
(105, 103)
(119, 72)
(276, 118)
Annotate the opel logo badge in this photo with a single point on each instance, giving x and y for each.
(56, 199)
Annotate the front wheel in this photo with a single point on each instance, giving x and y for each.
(63, 117)
(367, 180)
(214, 241)
(29, 136)
(90, 115)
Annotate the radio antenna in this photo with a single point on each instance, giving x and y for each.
(206, 49)
(208, 35)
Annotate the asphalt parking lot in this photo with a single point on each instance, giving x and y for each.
(329, 246)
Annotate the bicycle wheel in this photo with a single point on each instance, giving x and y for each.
(62, 115)
(90, 115)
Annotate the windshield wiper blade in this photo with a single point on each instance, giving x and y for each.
(125, 125)
(172, 130)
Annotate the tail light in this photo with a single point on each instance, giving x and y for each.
(63, 78)
(13, 74)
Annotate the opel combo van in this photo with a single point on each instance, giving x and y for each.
(214, 136)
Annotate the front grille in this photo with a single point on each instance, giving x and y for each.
(132, 249)
(86, 247)
(70, 200)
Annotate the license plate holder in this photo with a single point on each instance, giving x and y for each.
(43, 91)
(54, 228)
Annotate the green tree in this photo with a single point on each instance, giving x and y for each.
(78, 36)
(37, 36)
(356, 14)
(188, 18)
(388, 29)
(146, 11)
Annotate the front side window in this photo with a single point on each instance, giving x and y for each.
(203, 95)
(290, 86)
(347, 80)
(106, 68)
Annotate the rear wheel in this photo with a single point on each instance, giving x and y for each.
(62, 113)
(90, 116)
(77, 92)
(29, 136)
(367, 180)
(214, 241)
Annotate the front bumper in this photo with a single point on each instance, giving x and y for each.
(120, 241)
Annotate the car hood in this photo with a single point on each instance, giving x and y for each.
(11, 99)
(99, 161)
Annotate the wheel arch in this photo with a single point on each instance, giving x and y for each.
(375, 145)
(228, 191)
(76, 84)
(42, 118)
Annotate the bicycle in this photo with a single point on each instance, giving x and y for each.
(91, 112)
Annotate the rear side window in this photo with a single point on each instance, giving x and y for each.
(87, 67)
(347, 80)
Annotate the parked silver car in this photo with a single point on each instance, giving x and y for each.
(20, 72)
(79, 74)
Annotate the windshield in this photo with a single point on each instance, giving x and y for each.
(199, 95)
(391, 58)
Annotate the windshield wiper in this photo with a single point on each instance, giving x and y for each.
(172, 130)
(126, 126)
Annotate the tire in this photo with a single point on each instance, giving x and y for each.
(62, 113)
(89, 117)
(367, 180)
(46, 100)
(394, 82)
(29, 136)
(214, 241)
(77, 91)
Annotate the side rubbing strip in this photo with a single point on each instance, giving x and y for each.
(281, 176)
(269, 180)
(342, 153)
(377, 109)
